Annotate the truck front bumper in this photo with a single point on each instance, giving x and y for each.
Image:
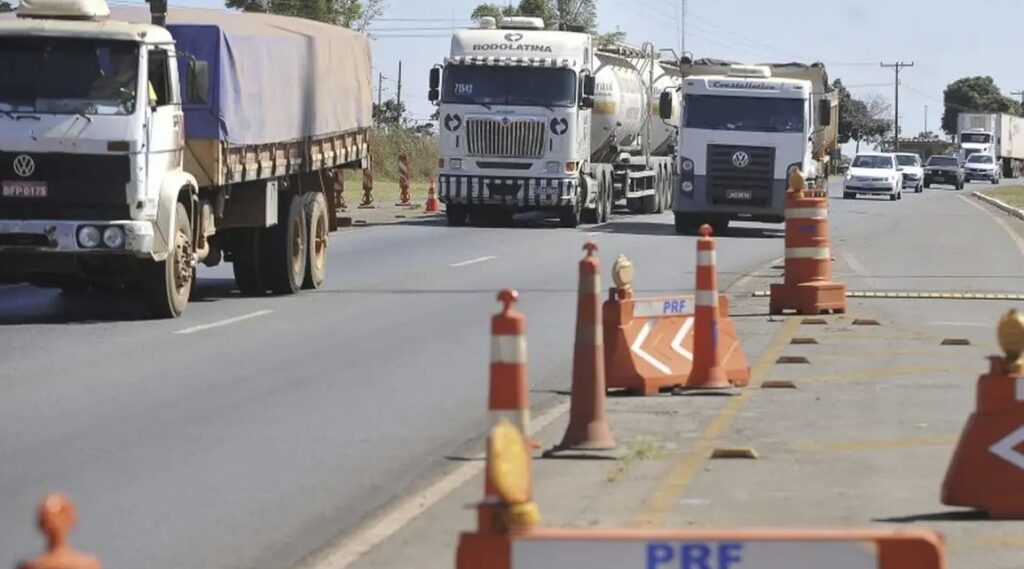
(507, 191)
(61, 236)
(698, 198)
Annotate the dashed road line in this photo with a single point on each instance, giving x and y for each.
(473, 261)
(223, 323)
(874, 445)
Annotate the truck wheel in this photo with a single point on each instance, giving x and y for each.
(168, 283)
(316, 244)
(649, 204)
(284, 256)
(591, 216)
(246, 263)
(607, 201)
(456, 215)
(570, 217)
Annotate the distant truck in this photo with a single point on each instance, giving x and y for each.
(743, 129)
(130, 152)
(999, 135)
(544, 120)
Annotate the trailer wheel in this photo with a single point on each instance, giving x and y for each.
(571, 216)
(316, 243)
(456, 215)
(168, 283)
(245, 262)
(591, 215)
(607, 199)
(284, 255)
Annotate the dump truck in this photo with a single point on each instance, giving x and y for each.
(999, 135)
(544, 120)
(138, 144)
(743, 129)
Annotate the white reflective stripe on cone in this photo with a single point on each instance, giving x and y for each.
(589, 335)
(508, 349)
(706, 298)
(807, 213)
(706, 258)
(808, 253)
(590, 283)
(1020, 389)
(518, 417)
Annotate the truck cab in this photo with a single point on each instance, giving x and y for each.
(742, 132)
(92, 140)
(976, 141)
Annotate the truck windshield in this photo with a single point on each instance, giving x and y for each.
(752, 114)
(509, 86)
(976, 137)
(68, 76)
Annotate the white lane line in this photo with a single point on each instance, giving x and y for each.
(854, 263)
(971, 324)
(1017, 240)
(394, 519)
(473, 261)
(227, 322)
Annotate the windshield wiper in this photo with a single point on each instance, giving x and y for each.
(84, 116)
(33, 117)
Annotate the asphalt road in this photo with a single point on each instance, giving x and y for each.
(251, 431)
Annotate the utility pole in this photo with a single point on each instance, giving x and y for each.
(399, 84)
(380, 89)
(682, 28)
(926, 118)
(897, 67)
(1019, 94)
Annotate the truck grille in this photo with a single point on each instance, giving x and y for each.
(79, 186)
(505, 138)
(729, 184)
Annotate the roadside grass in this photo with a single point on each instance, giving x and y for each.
(639, 450)
(1010, 195)
(384, 191)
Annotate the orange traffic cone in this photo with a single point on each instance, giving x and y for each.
(588, 426)
(509, 389)
(433, 206)
(707, 371)
(987, 471)
(57, 517)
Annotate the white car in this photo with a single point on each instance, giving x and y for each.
(981, 167)
(913, 172)
(873, 173)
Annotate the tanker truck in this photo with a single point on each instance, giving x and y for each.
(543, 120)
(134, 147)
(743, 129)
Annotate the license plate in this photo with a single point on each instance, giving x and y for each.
(24, 190)
(738, 194)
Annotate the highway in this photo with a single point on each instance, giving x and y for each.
(250, 432)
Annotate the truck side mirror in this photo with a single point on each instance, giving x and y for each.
(665, 105)
(589, 86)
(198, 82)
(435, 84)
(825, 112)
(586, 102)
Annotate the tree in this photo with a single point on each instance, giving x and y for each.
(862, 120)
(977, 95)
(928, 135)
(611, 38)
(390, 113)
(6, 6)
(354, 14)
(494, 11)
(581, 13)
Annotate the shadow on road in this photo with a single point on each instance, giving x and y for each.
(950, 516)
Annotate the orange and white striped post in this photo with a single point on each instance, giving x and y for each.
(588, 425)
(707, 371)
(367, 188)
(57, 517)
(403, 179)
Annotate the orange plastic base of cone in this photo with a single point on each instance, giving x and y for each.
(432, 205)
(808, 298)
(482, 550)
(979, 478)
(733, 361)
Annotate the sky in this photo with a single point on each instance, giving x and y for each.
(852, 37)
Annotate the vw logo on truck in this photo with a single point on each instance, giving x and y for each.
(741, 159)
(24, 165)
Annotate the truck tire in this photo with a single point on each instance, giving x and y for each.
(571, 217)
(456, 215)
(317, 240)
(283, 251)
(607, 200)
(649, 204)
(592, 216)
(246, 263)
(168, 283)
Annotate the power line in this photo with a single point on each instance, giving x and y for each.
(897, 67)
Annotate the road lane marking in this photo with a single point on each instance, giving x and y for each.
(891, 444)
(226, 322)
(393, 520)
(473, 261)
(971, 324)
(685, 469)
(887, 373)
(1017, 239)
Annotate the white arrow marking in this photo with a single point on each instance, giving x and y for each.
(1005, 448)
(637, 348)
(677, 342)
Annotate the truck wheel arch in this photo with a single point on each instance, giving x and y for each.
(178, 187)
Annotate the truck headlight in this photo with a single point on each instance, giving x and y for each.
(687, 186)
(687, 165)
(113, 237)
(455, 163)
(554, 167)
(89, 237)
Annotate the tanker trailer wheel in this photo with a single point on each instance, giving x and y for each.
(168, 283)
(284, 255)
(246, 262)
(316, 244)
(607, 200)
(571, 216)
(591, 215)
(660, 193)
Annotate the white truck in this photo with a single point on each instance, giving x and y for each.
(131, 150)
(743, 129)
(999, 135)
(535, 119)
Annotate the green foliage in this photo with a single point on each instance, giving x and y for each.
(581, 13)
(389, 113)
(861, 120)
(611, 38)
(386, 145)
(355, 14)
(929, 135)
(575, 12)
(6, 6)
(974, 95)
